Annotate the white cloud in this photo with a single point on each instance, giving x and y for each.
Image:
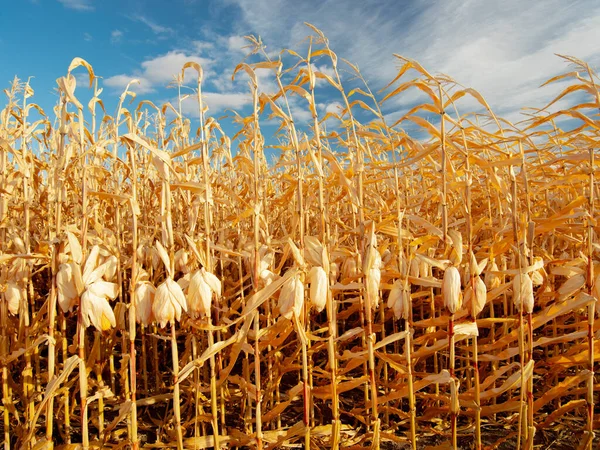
(161, 69)
(217, 101)
(115, 36)
(157, 72)
(78, 5)
(87, 37)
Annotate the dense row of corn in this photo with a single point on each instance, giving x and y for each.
(369, 286)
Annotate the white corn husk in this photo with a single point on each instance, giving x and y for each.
(13, 296)
(91, 271)
(402, 263)
(414, 269)
(267, 256)
(313, 251)
(94, 291)
(267, 276)
(286, 298)
(476, 268)
(386, 257)
(141, 255)
(326, 263)
(371, 254)
(200, 291)
(153, 257)
(424, 268)
(537, 277)
(399, 299)
(164, 257)
(349, 269)
(334, 272)
(110, 268)
(451, 292)
(95, 308)
(142, 275)
(465, 275)
(373, 280)
(63, 258)
(182, 260)
(169, 299)
(523, 293)
(213, 281)
(19, 244)
(319, 288)
(298, 298)
(169, 302)
(296, 253)
(538, 274)
(66, 289)
(18, 272)
(75, 248)
(480, 297)
(144, 297)
(476, 297)
(199, 296)
(492, 281)
(291, 298)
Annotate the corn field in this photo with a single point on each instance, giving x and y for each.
(164, 285)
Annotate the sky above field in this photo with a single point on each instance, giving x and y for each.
(504, 49)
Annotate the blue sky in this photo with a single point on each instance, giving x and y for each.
(504, 49)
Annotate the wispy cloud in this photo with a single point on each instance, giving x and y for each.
(202, 46)
(155, 27)
(87, 37)
(236, 43)
(116, 36)
(504, 50)
(78, 5)
(83, 80)
(334, 107)
(217, 103)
